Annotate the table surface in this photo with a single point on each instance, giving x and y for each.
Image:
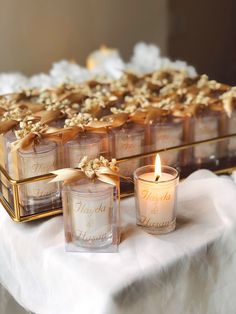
(191, 270)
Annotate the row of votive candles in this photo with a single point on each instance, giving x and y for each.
(128, 140)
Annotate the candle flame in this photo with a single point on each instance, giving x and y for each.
(96, 57)
(157, 167)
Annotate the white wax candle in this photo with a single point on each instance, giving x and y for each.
(91, 211)
(156, 200)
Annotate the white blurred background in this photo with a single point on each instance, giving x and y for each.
(33, 34)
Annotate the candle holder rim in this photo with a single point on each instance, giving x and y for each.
(135, 128)
(78, 141)
(175, 177)
(51, 145)
(156, 124)
(74, 187)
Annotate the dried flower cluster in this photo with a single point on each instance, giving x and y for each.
(26, 127)
(14, 114)
(171, 90)
(53, 101)
(80, 119)
(90, 167)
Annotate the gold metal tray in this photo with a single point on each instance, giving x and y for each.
(11, 201)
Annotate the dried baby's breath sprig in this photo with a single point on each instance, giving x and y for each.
(53, 101)
(227, 99)
(26, 127)
(92, 104)
(205, 82)
(29, 93)
(80, 119)
(160, 89)
(97, 169)
(231, 93)
(81, 88)
(121, 85)
(137, 99)
(58, 105)
(173, 84)
(128, 109)
(89, 167)
(15, 114)
(5, 103)
(165, 103)
(189, 99)
(201, 99)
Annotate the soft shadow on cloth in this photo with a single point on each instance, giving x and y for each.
(191, 270)
(200, 280)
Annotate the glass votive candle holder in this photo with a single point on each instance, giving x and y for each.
(166, 134)
(206, 127)
(232, 141)
(39, 195)
(91, 216)
(9, 137)
(128, 140)
(106, 144)
(6, 160)
(84, 145)
(156, 200)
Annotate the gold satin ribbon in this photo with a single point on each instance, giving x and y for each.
(31, 106)
(34, 138)
(70, 175)
(195, 109)
(7, 125)
(104, 174)
(48, 116)
(110, 121)
(148, 115)
(2, 111)
(51, 134)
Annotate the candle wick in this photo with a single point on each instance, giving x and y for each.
(157, 177)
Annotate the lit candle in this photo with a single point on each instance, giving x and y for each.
(155, 196)
(100, 56)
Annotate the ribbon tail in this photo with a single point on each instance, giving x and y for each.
(7, 125)
(68, 175)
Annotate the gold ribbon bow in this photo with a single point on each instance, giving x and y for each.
(110, 121)
(2, 111)
(51, 134)
(48, 116)
(101, 173)
(148, 115)
(104, 174)
(7, 125)
(31, 106)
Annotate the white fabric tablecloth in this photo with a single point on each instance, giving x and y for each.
(192, 270)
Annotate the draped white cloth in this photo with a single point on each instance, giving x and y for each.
(192, 270)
